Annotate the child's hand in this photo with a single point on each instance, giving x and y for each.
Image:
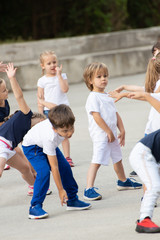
(63, 197)
(3, 67)
(137, 95)
(121, 137)
(119, 89)
(11, 71)
(59, 70)
(111, 137)
(115, 94)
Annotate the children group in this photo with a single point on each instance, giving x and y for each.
(41, 133)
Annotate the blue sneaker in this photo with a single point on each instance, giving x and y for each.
(128, 184)
(77, 205)
(36, 212)
(91, 194)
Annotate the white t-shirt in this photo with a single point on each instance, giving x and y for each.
(102, 103)
(43, 135)
(52, 90)
(153, 123)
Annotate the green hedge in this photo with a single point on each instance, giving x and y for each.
(32, 20)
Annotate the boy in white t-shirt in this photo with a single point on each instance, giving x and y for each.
(40, 146)
(103, 122)
(52, 90)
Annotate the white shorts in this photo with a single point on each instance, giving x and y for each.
(103, 151)
(5, 152)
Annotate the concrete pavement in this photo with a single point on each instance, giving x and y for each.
(114, 216)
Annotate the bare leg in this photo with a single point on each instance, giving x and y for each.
(2, 165)
(92, 172)
(19, 150)
(118, 168)
(20, 162)
(66, 147)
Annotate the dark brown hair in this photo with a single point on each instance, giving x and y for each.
(61, 116)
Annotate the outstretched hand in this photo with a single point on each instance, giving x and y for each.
(137, 95)
(116, 95)
(3, 67)
(10, 70)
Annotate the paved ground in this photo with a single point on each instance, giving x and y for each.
(114, 216)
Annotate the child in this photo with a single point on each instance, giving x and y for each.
(103, 122)
(155, 49)
(145, 159)
(40, 147)
(52, 89)
(13, 131)
(4, 107)
(152, 85)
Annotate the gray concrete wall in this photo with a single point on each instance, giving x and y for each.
(124, 52)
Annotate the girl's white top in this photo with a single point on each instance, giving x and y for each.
(52, 90)
(103, 104)
(153, 123)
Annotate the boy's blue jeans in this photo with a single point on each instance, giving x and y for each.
(40, 163)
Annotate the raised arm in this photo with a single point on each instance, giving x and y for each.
(11, 73)
(3, 67)
(63, 82)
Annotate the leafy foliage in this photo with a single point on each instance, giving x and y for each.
(31, 20)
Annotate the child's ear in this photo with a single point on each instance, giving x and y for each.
(54, 129)
(42, 66)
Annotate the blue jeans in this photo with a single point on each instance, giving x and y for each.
(40, 163)
(45, 112)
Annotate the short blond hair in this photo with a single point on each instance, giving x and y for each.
(91, 70)
(44, 54)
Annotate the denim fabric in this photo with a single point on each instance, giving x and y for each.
(40, 163)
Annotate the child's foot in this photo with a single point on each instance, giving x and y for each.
(30, 191)
(147, 226)
(91, 195)
(6, 167)
(69, 160)
(77, 205)
(128, 184)
(133, 174)
(36, 212)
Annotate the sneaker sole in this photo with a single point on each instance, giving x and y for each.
(119, 188)
(38, 217)
(49, 193)
(92, 199)
(77, 209)
(147, 230)
(31, 194)
(133, 175)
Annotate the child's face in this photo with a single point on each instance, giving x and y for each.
(99, 81)
(156, 51)
(3, 91)
(65, 132)
(49, 65)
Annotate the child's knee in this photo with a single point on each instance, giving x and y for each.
(1, 171)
